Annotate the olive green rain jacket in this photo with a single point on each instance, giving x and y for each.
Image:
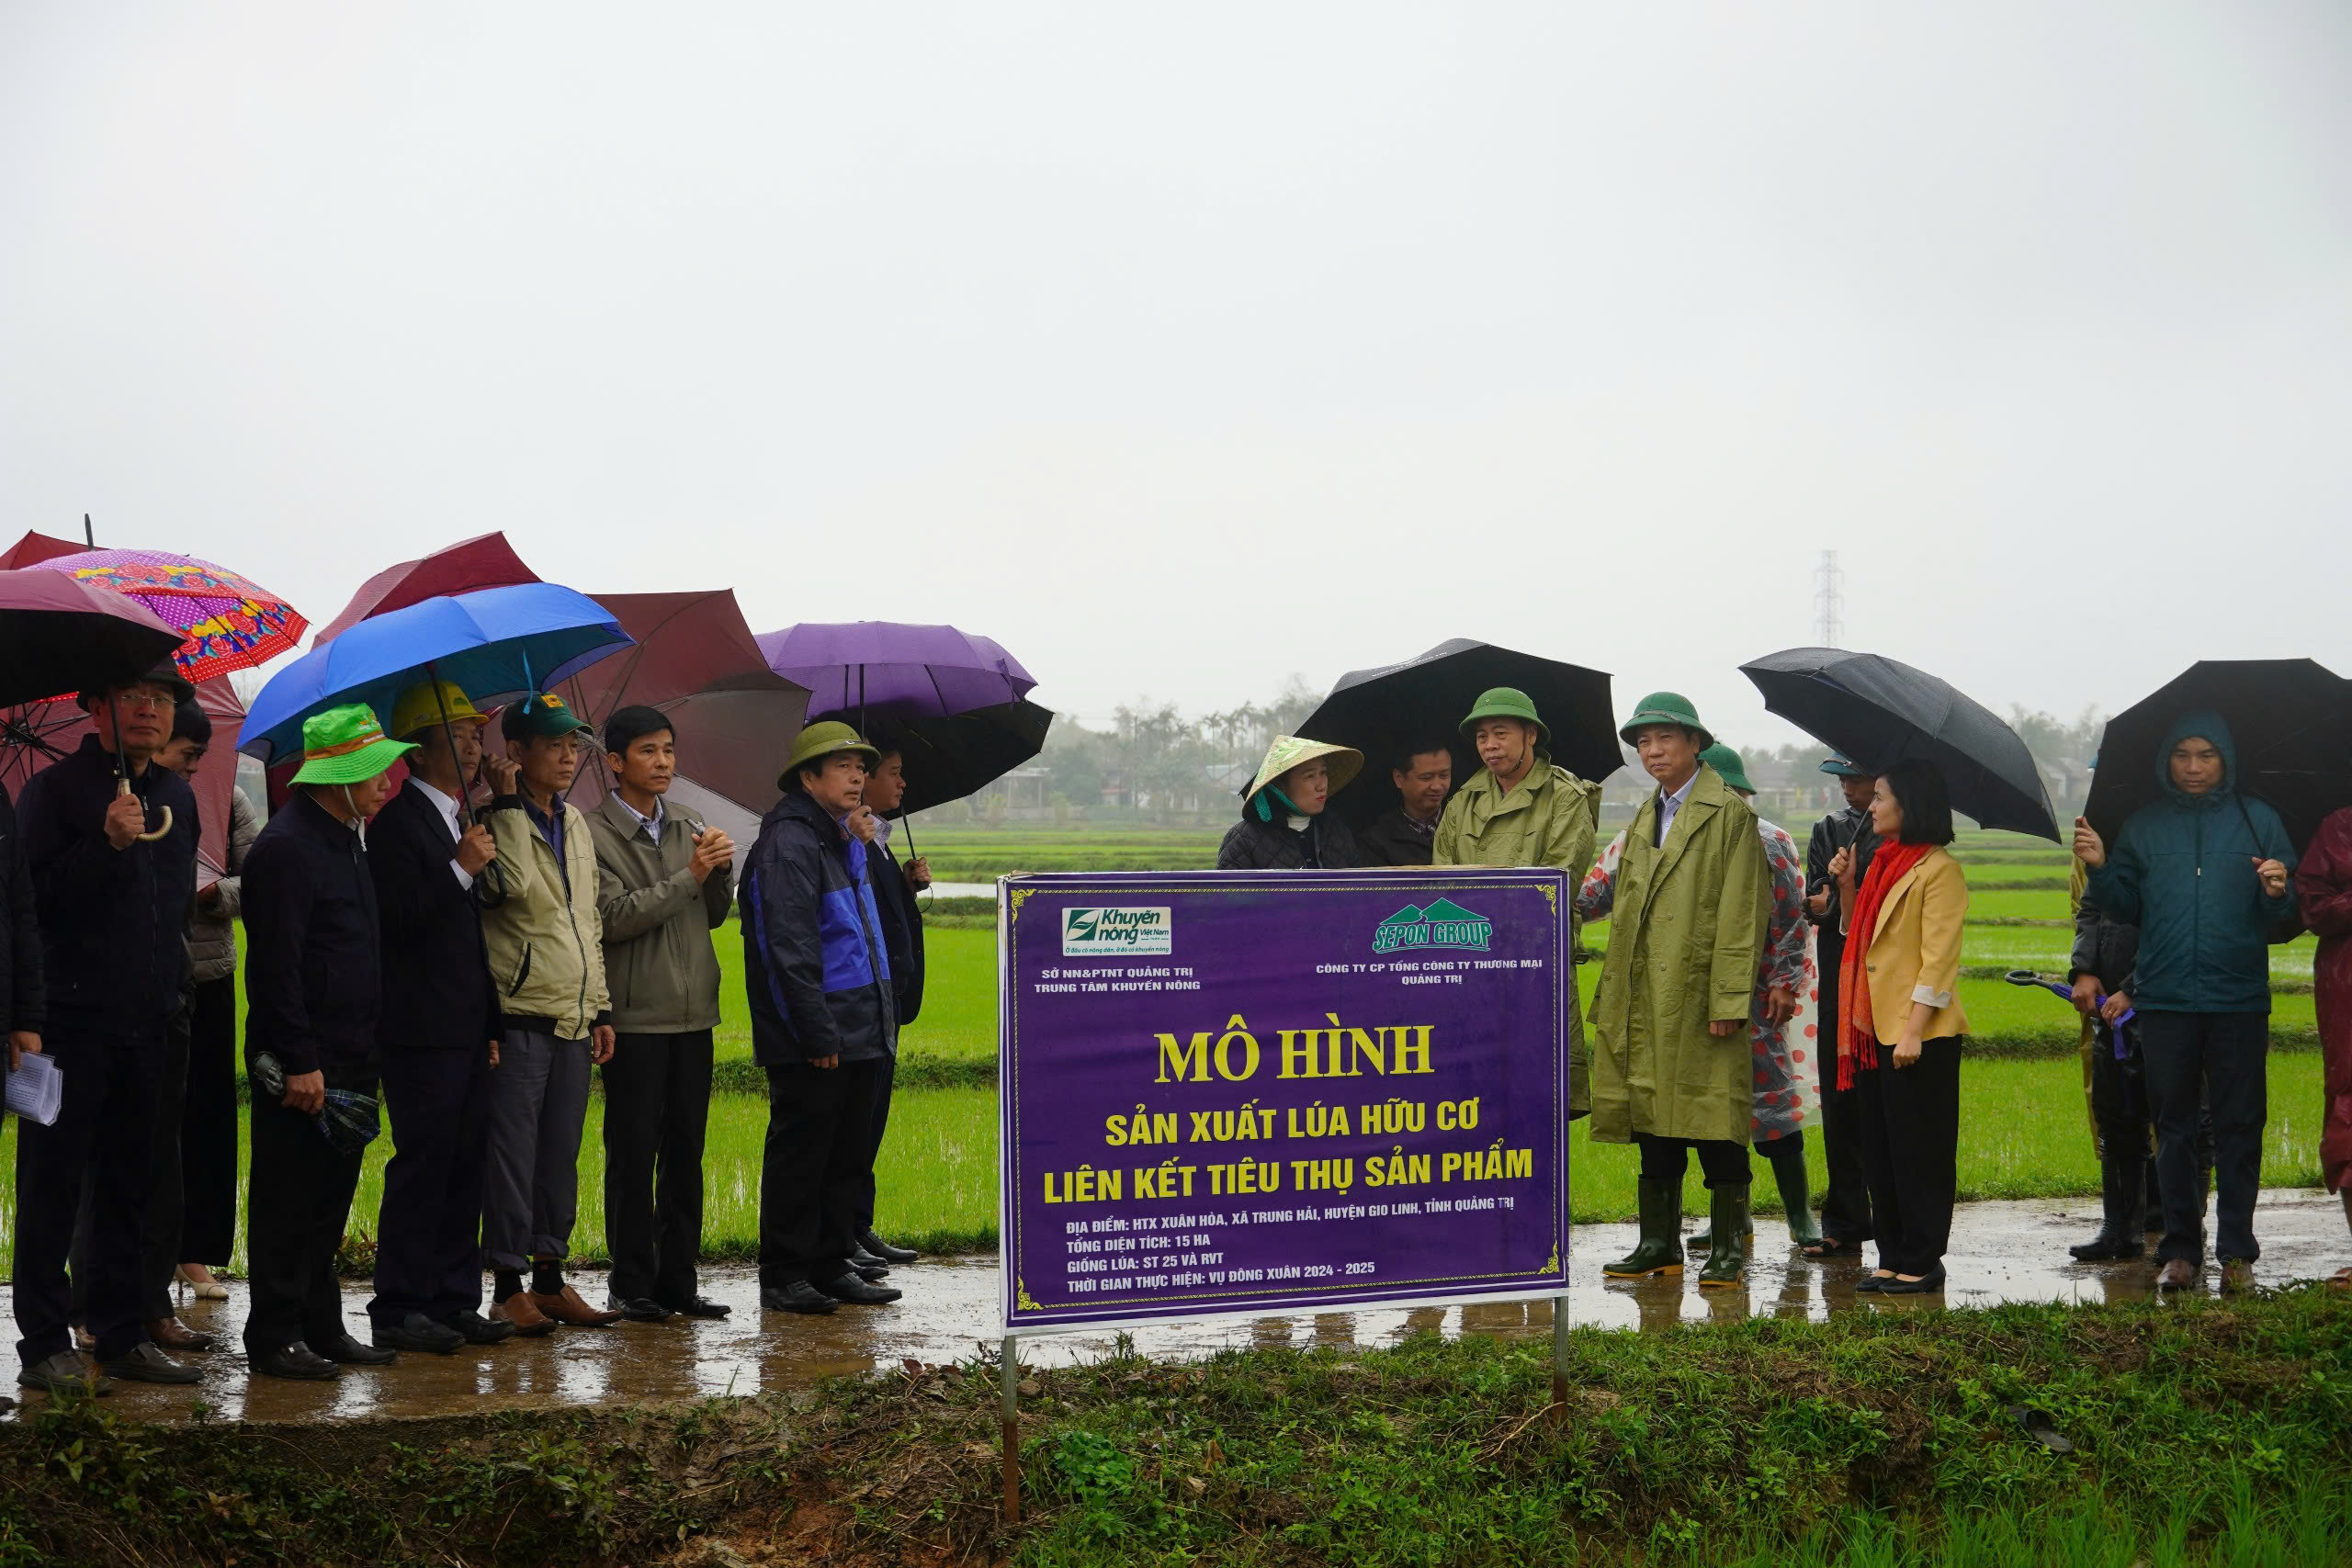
(1549, 820)
(1684, 942)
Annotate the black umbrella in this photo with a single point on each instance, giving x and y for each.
(948, 757)
(59, 636)
(2290, 721)
(1381, 712)
(1879, 712)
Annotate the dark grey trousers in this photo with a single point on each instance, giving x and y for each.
(539, 1100)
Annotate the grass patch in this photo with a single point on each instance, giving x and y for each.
(2208, 1433)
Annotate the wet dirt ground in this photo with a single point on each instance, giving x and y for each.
(2000, 1252)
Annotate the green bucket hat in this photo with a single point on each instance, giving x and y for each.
(346, 746)
(1342, 763)
(1506, 702)
(823, 741)
(1727, 762)
(1665, 707)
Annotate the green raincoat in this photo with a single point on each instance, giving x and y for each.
(1548, 820)
(1684, 944)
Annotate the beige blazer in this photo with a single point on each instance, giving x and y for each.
(1914, 955)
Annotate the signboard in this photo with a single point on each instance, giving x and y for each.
(1251, 1091)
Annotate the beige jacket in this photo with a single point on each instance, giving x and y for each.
(546, 942)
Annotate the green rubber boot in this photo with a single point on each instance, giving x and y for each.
(1796, 1197)
(1660, 1251)
(1726, 1263)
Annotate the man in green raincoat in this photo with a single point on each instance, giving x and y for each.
(1522, 808)
(1673, 1070)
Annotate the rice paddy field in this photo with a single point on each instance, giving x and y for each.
(2023, 1129)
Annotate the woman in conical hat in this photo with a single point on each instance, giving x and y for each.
(1283, 825)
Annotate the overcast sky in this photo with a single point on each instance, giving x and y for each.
(1184, 348)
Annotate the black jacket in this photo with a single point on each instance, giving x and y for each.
(23, 1004)
(814, 960)
(1252, 845)
(113, 922)
(894, 900)
(1392, 840)
(313, 951)
(1831, 834)
(2104, 946)
(437, 991)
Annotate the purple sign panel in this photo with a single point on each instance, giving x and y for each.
(1242, 1091)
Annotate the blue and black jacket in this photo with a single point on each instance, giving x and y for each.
(2182, 870)
(814, 959)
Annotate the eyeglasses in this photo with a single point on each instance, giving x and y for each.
(135, 700)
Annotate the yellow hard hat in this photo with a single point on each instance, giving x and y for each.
(420, 707)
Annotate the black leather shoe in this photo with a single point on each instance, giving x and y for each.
(861, 1260)
(477, 1329)
(144, 1363)
(1871, 1282)
(349, 1352)
(297, 1361)
(870, 1272)
(637, 1309)
(1927, 1284)
(849, 1288)
(699, 1307)
(418, 1332)
(2108, 1246)
(798, 1296)
(884, 1251)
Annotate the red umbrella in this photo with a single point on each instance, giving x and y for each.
(463, 568)
(229, 622)
(696, 661)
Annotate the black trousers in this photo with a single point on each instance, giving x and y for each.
(2196, 1060)
(1721, 1161)
(884, 1079)
(1911, 1152)
(812, 1174)
(656, 1102)
(428, 1232)
(105, 1129)
(209, 1127)
(298, 1199)
(1846, 1205)
(160, 1230)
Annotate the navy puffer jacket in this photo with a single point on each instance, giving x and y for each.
(2182, 870)
(814, 959)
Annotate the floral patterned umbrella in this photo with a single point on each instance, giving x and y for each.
(230, 623)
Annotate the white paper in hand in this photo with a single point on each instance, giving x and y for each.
(36, 1088)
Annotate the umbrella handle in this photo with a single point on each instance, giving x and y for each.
(123, 787)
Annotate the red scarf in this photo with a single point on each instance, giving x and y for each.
(1857, 1033)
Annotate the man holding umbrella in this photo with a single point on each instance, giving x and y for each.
(439, 1034)
(1407, 834)
(1522, 808)
(314, 981)
(109, 838)
(2203, 872)
(894, 887)
(1673, 1071)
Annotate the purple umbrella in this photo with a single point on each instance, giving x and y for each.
(894, 670)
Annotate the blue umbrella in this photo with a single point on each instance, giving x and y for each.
(2028, 979)
(495, 644)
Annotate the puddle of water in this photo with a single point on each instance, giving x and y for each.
(2000, 1252)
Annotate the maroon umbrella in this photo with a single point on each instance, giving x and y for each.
(696, 661)
(488, 561)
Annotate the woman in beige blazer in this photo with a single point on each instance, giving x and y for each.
(1901, 1051)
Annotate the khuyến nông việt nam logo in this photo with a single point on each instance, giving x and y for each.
(1443, 923)
(1126, 932)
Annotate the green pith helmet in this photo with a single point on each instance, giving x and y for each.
(1667, 708)
(1838, 768)
(1505, 701)
(346, 746)
(1727, 762)
(1342, 762)
(823, 741)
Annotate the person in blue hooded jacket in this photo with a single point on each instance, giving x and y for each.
(2203, 872)
(824, 1020)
